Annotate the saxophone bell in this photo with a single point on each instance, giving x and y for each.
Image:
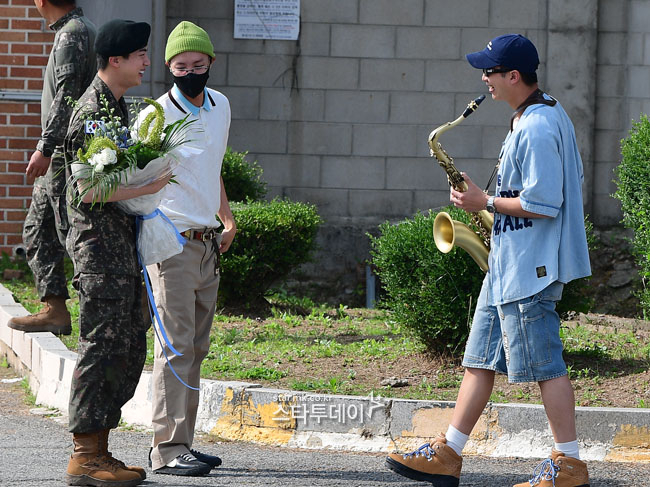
(448, 232)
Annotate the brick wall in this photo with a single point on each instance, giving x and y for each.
(25, 43)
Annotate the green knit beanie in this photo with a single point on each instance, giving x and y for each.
(185, 37)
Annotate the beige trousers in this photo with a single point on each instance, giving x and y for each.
(185, 289)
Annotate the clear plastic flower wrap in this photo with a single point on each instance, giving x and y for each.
(157, 237)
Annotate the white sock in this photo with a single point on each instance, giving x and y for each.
(570, 449)
(456, 440)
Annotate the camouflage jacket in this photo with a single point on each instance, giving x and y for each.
(70, 69)
(101, 239)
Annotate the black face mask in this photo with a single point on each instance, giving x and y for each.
(192, 84)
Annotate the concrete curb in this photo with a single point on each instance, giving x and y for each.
(250, 412)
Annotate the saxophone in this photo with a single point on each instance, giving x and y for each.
(446, 231)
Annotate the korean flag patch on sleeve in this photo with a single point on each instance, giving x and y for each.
(92, 126)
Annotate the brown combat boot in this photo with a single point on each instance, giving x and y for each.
(88, 466)
(103, 445)
(559, 471)
(432, 462)
(53, 317)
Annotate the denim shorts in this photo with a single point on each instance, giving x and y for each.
(520, 339)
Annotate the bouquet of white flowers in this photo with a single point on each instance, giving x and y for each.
(115, 155)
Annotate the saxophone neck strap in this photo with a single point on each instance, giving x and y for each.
(535, 98)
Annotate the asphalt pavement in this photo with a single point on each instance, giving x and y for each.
(34, 451)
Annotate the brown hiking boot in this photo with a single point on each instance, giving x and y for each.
(103, 445)
(54, 317)
(559, 471)
(436, 463)
(88, 466)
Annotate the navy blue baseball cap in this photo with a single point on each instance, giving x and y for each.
(512, 51)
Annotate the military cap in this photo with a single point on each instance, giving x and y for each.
(121, 37)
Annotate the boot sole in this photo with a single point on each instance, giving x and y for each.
(56, 329)
(87, 480)
(435, 479)
(184, 472)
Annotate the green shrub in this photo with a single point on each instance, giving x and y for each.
(273, 238)
(434, 294)
(431, 293)
(241, 178)
(633, 190)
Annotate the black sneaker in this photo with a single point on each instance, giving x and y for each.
(186, 465)
(212, 460)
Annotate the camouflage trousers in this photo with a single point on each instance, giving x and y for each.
(45, 229)
(111, 352)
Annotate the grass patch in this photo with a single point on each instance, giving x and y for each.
(304, 346)
(30, 399)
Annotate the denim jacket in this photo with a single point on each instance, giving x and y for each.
(541, 164)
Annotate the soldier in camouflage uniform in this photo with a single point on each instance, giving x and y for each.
(101, 242)
(70, 69)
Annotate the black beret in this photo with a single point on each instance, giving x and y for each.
(121, 37)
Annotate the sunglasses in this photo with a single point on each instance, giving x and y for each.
(489, 71)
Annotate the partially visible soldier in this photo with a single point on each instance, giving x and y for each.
(70, 69)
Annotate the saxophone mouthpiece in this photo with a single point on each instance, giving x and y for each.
(472, 106)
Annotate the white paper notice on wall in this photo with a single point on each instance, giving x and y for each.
(267, 19)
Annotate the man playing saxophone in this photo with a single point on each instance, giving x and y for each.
(538, 244)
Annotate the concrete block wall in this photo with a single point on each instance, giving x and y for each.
(344, 116)
(341, 117)
(622, 92)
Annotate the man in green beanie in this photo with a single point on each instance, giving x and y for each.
(185, 286)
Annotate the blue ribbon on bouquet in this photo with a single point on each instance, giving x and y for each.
(153, 310)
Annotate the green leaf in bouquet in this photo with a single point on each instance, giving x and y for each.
(104, 184)
(140, 155)
(176, 133)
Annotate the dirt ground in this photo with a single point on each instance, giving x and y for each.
(597, 382)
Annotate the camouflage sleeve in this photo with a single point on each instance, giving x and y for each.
(71, 61)
(75, 135)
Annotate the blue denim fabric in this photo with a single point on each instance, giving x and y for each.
(520, 339)
(541, 165)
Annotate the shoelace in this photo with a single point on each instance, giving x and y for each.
(188, 457)
(114, 461)
(195, 453)
(546, 470)
(99, 464)
(425, 450)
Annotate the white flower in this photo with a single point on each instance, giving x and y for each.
(104, 158)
